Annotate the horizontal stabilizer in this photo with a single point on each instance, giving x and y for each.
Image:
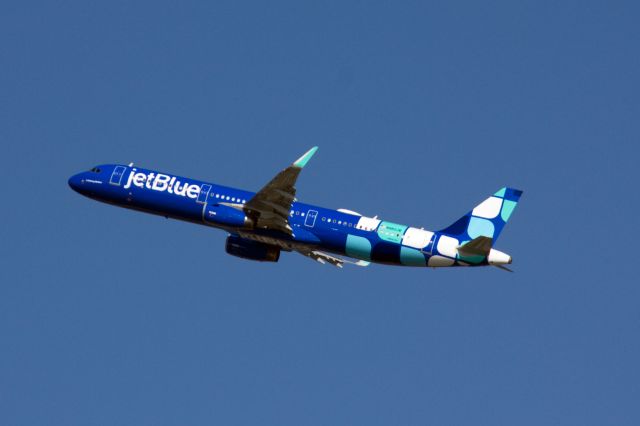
(479, 246)
(504, 268)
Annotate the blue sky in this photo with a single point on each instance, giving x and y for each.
(421, 110)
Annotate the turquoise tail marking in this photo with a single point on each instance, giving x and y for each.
(488, 218)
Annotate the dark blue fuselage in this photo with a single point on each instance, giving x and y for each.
(316, 226)
(313, 228)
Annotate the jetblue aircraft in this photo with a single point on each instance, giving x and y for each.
(262, 224)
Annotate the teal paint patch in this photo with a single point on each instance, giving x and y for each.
(391, 232)
(412, 257)
(507, 209)
(358, 247)
(480, 227)
(302, 161)
(472, 259)
(501, 193)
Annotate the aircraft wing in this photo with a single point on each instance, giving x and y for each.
(269, 208)
(323, 258)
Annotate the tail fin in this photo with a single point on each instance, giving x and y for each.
(487, 219)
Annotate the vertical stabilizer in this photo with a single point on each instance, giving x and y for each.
(487, 219)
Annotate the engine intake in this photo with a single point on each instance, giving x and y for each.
(252, 250)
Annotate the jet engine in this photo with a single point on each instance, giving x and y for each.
(252, 250)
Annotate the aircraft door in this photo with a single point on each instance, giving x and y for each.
(204, 193)
(311, 218)
(429, 247)
(116, 176)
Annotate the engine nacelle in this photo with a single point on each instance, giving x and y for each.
(219, 214)
(252, 250)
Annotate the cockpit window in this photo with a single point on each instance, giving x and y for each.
(95, 170)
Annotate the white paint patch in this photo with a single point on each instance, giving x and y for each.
(439, 261)
(489, 208)
(367, 223)
(448, 246)
(417, 238)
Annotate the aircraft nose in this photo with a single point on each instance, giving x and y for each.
(75, 182)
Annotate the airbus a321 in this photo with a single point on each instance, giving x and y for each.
(263, 224)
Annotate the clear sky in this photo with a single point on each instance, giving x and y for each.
(421, 110)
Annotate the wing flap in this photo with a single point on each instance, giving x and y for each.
(323, 258)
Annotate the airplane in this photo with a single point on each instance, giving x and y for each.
(262, 224)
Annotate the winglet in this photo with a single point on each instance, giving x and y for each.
(302, 161)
